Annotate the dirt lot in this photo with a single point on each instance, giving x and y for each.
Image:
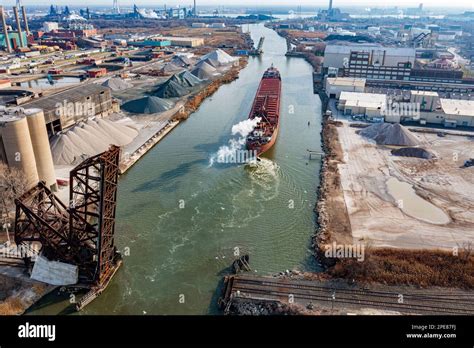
(213, 37)
(377, 217)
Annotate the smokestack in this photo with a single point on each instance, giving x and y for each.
(330, 5)
(5, 30)
(25, 20)
(195, 12)
(18, 24)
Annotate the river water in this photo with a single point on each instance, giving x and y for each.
(182, 220)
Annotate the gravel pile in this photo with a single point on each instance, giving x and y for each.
(186, 79)
(170, 68)
(181, 61)
(204, 71)
(208, 61)
(219, 56)
(390, 134)
(170, 89)
(413, 152)
(117, 84)
(89, 138)
(147, 105)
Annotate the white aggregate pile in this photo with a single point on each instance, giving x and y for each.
(219, 56)
(390, 134)
(204, 71)
(89, 138)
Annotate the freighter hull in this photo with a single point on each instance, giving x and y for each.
(265, 147)
(266, 112)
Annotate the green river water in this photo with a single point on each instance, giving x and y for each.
(181, 219)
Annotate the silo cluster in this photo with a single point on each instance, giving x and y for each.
(24, 144)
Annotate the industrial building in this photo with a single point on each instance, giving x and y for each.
(24, 144)
(423, 106)
(184, 41)
(336, 85)
(151, 43)
(453, 113)
(64, 109)
(338, 55)
(366, 104)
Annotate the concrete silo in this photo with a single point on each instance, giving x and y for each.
(16, 146)
(41, 148)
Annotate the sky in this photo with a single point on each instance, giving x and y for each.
(469, 4)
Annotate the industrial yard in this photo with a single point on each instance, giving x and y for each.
(385, 214)
(111, 121)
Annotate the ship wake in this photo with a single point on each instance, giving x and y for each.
(234, 151)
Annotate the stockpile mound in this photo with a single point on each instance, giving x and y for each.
(186, 79)
(208, 61)
(170, 89)
(204, 71)
(89, 138)
(170, 68)
(181, 61)
(117, 84)
(413, 152)
(219, 56)
(390, 134)
(147, 105)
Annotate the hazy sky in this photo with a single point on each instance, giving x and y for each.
(255, 3)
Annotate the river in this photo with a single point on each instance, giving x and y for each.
(180, 220)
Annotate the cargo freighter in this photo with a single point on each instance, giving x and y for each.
(266, 107)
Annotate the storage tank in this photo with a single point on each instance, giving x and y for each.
(41, 148)
(17, 146)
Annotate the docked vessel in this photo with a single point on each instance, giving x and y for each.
(266, 109)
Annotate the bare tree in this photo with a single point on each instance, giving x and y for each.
(13, 183)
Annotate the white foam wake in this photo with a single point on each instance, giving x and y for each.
(229, 152)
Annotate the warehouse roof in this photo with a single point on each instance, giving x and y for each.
(347, 48)
(70, 96)
(364, 100)
(425, 93)
(458, 107)
(346, 81)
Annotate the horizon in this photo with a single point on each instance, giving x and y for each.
(465, 4)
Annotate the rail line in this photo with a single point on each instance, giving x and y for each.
(410, 301)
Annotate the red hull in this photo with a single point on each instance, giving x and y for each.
(265, 108)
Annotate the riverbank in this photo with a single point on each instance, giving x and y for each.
(183, 112)
(400, 261)
(18, 292)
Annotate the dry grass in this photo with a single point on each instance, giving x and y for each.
(410, 267)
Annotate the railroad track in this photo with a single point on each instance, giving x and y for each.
(303, 292)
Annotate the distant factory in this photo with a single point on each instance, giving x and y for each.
(12, 39)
